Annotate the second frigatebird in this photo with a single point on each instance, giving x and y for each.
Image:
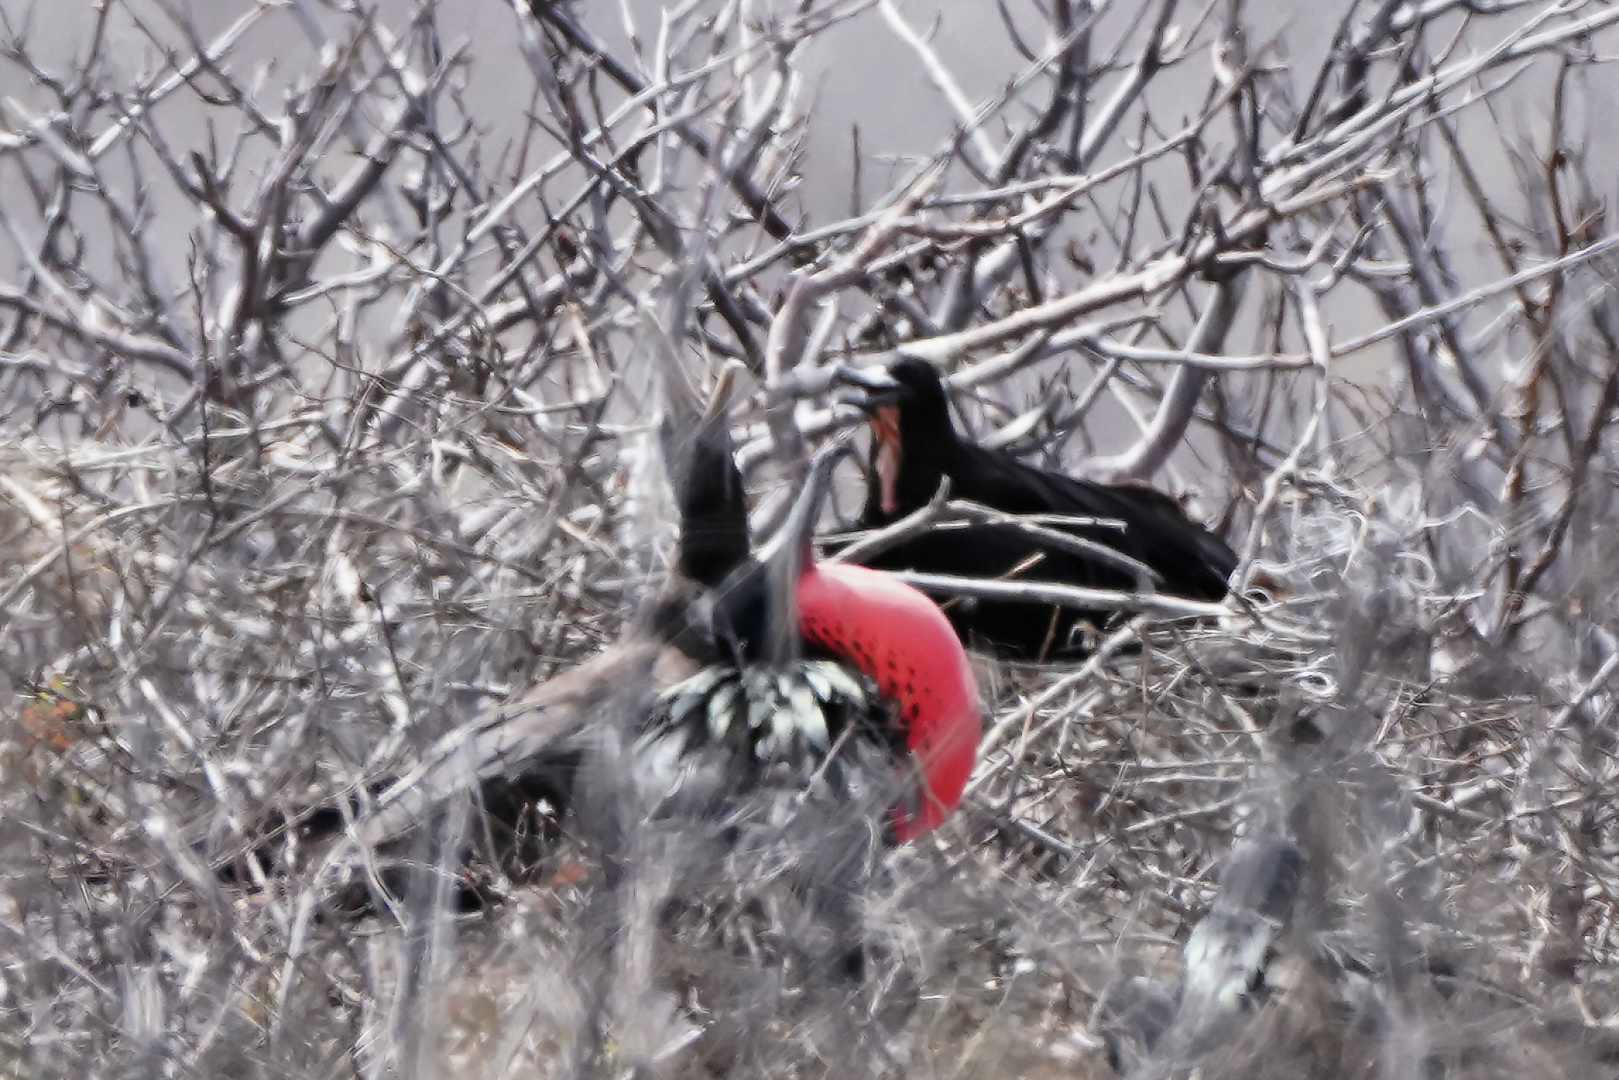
(915, 447)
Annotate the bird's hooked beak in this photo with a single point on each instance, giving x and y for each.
(719, 399)
(880, 401)
(880, 388)
(685, 425)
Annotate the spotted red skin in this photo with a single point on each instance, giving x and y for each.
(902, 642)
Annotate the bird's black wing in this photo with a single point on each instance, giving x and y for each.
(1030, 630)
(1190, 560)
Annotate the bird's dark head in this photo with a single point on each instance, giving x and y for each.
(913, 439)
(723, 619)
(708, 489)
(713, 509)
(910, 386)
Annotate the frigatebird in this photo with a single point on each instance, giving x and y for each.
(742, 672)
(1129, 538)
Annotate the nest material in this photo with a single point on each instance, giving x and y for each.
(1440, 917)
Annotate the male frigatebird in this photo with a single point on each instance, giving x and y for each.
(742, 672)
(915, 446)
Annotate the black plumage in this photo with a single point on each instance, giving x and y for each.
(713, 505)
(717, 717)
(915, 446)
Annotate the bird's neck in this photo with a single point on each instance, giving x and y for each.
(898, 488)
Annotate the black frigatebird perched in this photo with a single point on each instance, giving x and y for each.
(787, 630)
(743, 672)
(915, 446)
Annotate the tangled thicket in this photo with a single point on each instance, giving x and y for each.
(327, 411)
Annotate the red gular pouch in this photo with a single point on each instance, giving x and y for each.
(898, 638)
